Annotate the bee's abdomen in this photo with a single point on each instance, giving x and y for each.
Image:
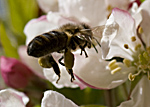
(46, 43)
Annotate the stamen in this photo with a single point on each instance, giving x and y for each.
(148, 49)
(126, 46)
(143, 67)
(112, 62)
(131, 77)
(115, 70)
(137, 73)
(146, 56)
(133, 38)
(137, 47)
(127, 62)
(109, 8)
(142, 60)
(114, 66)
(140, 30)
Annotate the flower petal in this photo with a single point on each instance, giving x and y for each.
(44, 24)
(55, 99)
(31, 62)
(122, 4)
(65, 77)
(87, 11)
(140, 95)
(145, 24)
(48, 5)
(38, 26)
(12, 98)
(93, 71)
(114, 37)
(136, 14)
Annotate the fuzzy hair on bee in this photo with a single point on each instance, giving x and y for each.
(66, 39)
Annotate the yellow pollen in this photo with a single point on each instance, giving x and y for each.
(133, 38)
(115, 70)
(146, 56)
(109, 8)
(114, 66)
(112, 62)
(140, 30)
(137, 47)
(126, 46)
(131, 77)
(127, 62)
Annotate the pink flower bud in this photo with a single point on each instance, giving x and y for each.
(14, 73)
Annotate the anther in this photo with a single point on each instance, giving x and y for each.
(131, 77)
(112, 62)
(109, 8)
(115, 70)
(140, 30)
(133, 38)
(146, 56)
(126, 46)
(127, 62)
(137, 47)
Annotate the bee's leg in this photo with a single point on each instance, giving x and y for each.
(70, 71)
(94, 47)
(55, 67)
(60, 61)
(69, 62)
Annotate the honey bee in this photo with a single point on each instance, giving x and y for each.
(64, 40)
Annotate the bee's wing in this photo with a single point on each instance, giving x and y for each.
(97, 32)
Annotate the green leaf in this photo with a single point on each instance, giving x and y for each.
(19, 13)
(37, 106)
(8, 48)
(142, 0)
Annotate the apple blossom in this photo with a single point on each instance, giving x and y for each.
(120, 39)
(13, 70)
(55, 99)
(12, 98)
(48, 5)
(49, 22)
(140, 95)
(31, 62)
(76, 11)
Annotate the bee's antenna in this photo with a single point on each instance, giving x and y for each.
(97, 41)
(85, 29)
(94, 47)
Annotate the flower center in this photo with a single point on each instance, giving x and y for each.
(142, 64)
(141, 61)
